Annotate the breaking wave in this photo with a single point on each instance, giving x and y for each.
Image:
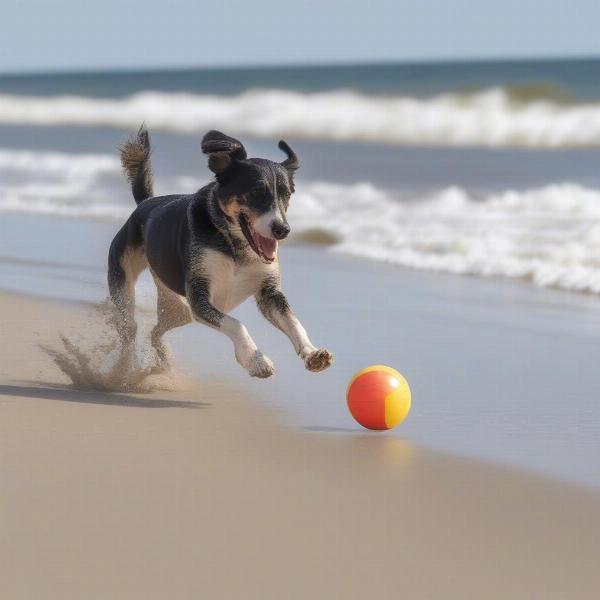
(55, 183)
(548, 235)
(492, 117)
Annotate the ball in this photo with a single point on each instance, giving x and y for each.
(378, 397)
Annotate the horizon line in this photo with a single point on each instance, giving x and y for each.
(116, 70)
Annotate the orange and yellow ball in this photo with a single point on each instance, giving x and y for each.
(378, 397)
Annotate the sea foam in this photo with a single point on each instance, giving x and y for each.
(492, 117)
(548, 235)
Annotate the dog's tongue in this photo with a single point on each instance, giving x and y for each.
(268, 246)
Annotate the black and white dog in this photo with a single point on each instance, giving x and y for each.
(211, 250)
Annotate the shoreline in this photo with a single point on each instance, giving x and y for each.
(501, 370)
(185, 383)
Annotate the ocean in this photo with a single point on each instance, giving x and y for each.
(487, 169)
(484, 175)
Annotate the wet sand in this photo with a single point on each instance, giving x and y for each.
(500, 370)
(202, 492)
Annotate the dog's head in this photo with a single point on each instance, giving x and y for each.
(254, 193)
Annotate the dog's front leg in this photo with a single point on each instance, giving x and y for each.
(246, 352)
(274, 306)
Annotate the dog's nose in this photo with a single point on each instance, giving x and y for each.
(280, 230)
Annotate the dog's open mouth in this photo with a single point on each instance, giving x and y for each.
(266, 248)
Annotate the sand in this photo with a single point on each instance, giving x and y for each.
(500, 370)
(200, 492)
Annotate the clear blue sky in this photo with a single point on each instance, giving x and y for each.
(75, 34)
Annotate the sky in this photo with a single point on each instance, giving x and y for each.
(38, 35)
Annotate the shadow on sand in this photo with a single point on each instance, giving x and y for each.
(48, 391)
(322, 429)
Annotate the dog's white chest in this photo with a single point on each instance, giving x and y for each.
(231, 284)
(246, 281)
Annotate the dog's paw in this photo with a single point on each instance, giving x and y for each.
(260, 365)
(318, 360)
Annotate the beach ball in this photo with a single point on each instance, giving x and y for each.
(378, 397)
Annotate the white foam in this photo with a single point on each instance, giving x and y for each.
(488, 118)
(66, 165)
(54, 183)
(549, 235)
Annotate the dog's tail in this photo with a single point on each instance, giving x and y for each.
(135, 158)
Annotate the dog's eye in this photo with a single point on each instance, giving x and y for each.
(259, 195)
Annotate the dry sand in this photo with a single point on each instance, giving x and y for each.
(200, 493)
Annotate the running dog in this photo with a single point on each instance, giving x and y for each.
(210, 250)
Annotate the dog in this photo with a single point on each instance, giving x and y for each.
(209, 251)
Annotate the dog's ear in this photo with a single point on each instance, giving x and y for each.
(291, 163)
(222, 151)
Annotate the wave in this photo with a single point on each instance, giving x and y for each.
(492, 117)
(548, 235)
(55, 183)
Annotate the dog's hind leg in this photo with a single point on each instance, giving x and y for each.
(172, 311)
(126, 260)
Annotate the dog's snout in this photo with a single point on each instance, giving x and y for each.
(280, 230)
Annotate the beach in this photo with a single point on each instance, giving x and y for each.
(445, 222)
(202, 491)
(501, 370)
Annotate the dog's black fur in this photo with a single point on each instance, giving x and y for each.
(181, 237)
